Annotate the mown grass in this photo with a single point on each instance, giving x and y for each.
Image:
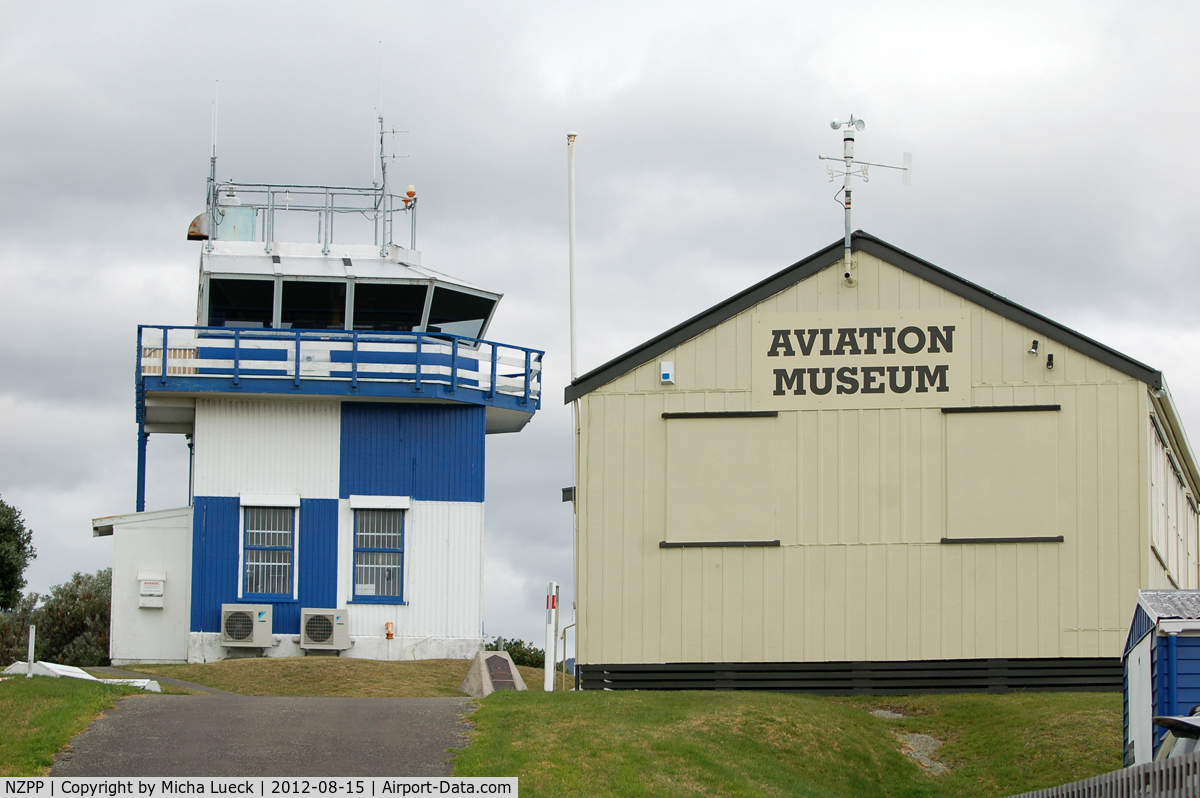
(39, 716)
(751, 744)
(330, 676)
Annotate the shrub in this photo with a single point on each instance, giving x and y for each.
(522, 653)
(14, 631)
(73, 623)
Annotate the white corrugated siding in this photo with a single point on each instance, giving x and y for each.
(443, 574)
(267, 446)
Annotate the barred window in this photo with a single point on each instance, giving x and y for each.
(379, 554)
(269, 550)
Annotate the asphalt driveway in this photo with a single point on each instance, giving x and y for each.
(229, 735)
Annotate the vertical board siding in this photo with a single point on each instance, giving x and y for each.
(860, 504)
(317, 554)
(214, 559)
(428, 452)
(443, 576)
(215, 562)
(266, 446)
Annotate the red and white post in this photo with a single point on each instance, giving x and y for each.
(551, 634)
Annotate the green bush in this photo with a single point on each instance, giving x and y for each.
(72, 623)
(522, 653)
(14, 631)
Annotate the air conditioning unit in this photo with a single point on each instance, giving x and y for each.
(324, 629)
(246, 625)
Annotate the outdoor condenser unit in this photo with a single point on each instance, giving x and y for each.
(246, 625)
(324, 629)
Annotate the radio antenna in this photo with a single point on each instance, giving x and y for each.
(855, 168)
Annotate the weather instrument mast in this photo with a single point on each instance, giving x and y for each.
(854, 168)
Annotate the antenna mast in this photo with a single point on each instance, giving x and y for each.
(854, 168)
(210, 201)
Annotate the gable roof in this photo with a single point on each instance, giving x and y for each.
(860, 242)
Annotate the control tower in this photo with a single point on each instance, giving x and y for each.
(335, 397)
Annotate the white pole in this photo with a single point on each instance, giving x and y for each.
(551, 635)
(848, 154)
(574, 373)
(571, 239)
(29, 661)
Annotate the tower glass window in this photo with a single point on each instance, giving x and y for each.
(240, 303)
(269, 551)
(313, 305)
(459, 313)
(379, 555)
(395, 307)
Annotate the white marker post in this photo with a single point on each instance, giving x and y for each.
(551, 634)
(29, 659)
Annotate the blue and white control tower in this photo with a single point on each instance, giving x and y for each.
(335, 397)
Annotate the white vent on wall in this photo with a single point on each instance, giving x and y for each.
(324, 630)
(247, 625)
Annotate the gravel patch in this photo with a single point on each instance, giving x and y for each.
(887, 714)
(921, 747)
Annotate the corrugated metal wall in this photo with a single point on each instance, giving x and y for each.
(428, 452)
(443, 574)
(861, 510)
(215, 562)
(267, 446)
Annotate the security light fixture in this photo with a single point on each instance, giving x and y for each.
(1033, 349)
(1050, 361)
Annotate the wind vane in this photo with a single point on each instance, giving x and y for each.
(855, 168)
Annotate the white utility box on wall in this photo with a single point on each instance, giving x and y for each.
(151, 586)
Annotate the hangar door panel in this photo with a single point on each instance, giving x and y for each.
(1002, 474)
(720, 479)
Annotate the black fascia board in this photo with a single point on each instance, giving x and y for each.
(802, 270)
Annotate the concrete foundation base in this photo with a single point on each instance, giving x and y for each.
(206, 647)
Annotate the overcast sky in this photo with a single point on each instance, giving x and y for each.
(1055, 163)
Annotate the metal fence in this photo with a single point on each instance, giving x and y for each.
(1171, 778)
(168, 354)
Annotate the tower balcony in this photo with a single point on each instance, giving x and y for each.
(177, 364)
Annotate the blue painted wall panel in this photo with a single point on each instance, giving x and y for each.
(214, 559)
(215, 562)
(428, 452)
(318, 556)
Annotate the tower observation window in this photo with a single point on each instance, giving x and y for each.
(240, 303)
(388, 306)
(313, 305)
(458, 313)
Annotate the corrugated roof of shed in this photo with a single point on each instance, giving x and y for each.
(1182, 604)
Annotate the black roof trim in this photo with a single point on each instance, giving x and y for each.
(802, 270)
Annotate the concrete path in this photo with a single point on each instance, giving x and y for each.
(117, 673)
(184, 735)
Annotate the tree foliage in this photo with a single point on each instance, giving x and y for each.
(522, 653)
(72, 623)
(16, 552)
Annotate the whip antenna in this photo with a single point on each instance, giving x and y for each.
(855, 168)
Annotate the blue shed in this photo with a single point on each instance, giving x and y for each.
(1162, 667)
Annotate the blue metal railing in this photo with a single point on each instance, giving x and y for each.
(173, 358)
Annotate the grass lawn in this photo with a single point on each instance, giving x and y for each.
(40, 715)
(330, 676)
(756, 744)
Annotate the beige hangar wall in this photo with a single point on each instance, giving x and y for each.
(857, 496)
